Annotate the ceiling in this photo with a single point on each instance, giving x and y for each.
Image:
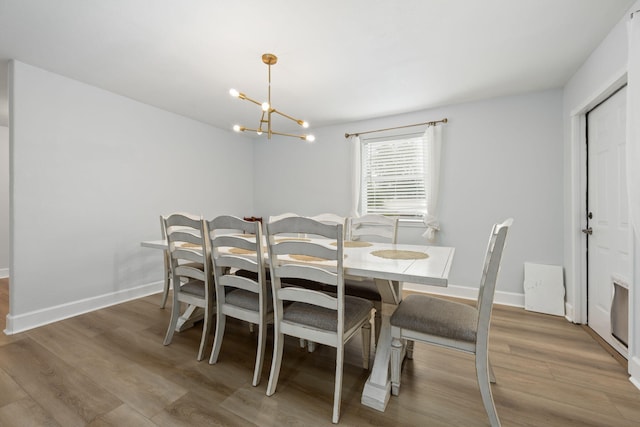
(338, 60)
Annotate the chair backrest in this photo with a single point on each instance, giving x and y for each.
(274, 218)
(187, 246)
(374, 227)
(294, 259)
(163, 231)
(332, 219)
(489, 278)
(231, 240)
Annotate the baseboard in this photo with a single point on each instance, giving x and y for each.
(634, 371)
(505, 298)
(4, 273)
(34, 319)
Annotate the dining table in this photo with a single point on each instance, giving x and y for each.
(390, 265)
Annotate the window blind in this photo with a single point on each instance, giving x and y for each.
(393, 176)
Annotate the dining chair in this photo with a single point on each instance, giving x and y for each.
(192, 278)
(377, 228)
(454, 325)
(332, 219)
(167, 266)
(274, 218)
(325, 318)
(373, 227)
(237, 245)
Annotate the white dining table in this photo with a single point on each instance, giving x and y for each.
(389, 274)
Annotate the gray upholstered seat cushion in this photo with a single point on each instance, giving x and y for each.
(193, 287)
(437, 316)
(366, 289)
(322, 318)
(247, 299)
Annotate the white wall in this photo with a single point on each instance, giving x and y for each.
(501, 157)
(4, 201)
(92, 173)
(603, 72)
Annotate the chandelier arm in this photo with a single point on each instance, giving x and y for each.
(262, 121)
(273, 110)
(252, 100)
(244, 129)
(289, 134)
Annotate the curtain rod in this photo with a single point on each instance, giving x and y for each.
(347, 135)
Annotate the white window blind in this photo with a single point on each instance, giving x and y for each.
(393, 176)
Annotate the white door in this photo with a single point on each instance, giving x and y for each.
(608, 219)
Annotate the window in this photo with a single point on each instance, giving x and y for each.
(393, 176)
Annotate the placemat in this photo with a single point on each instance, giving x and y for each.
(399, 254)
(299, 257)
(353, 244)
(240, 251)
(190, 245)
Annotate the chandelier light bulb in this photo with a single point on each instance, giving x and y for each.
(237, 128)
(259, 132)
(305, 124)
(234, 93)
(265, 106)
(310, 138)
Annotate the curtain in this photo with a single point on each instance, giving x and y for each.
(433, 143)
(355, 175)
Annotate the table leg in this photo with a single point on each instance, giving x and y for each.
(190, 316)
(377, 389)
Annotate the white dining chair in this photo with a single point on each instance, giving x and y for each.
(375, 228)
(274, 218)
(329, 319)
(236, 245)
(453, 325)
(192, 278)
(167, 266)
(332, 219)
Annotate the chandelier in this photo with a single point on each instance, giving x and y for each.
(267, 109)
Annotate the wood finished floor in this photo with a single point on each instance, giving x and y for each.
(109, 368)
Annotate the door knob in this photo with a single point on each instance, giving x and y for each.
(588, 231)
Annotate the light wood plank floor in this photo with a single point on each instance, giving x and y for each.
(109, 368)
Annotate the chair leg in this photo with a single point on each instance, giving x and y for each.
(492, 376)
(278, 345)
(221, 322)
(262, 343)
(337, 394)
(396, 365)
(366, 344)
(175, 314)
(482, 371)
(206, 332)
(167, 283)
(410, 344)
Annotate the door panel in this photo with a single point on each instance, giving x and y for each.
(609, 243)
